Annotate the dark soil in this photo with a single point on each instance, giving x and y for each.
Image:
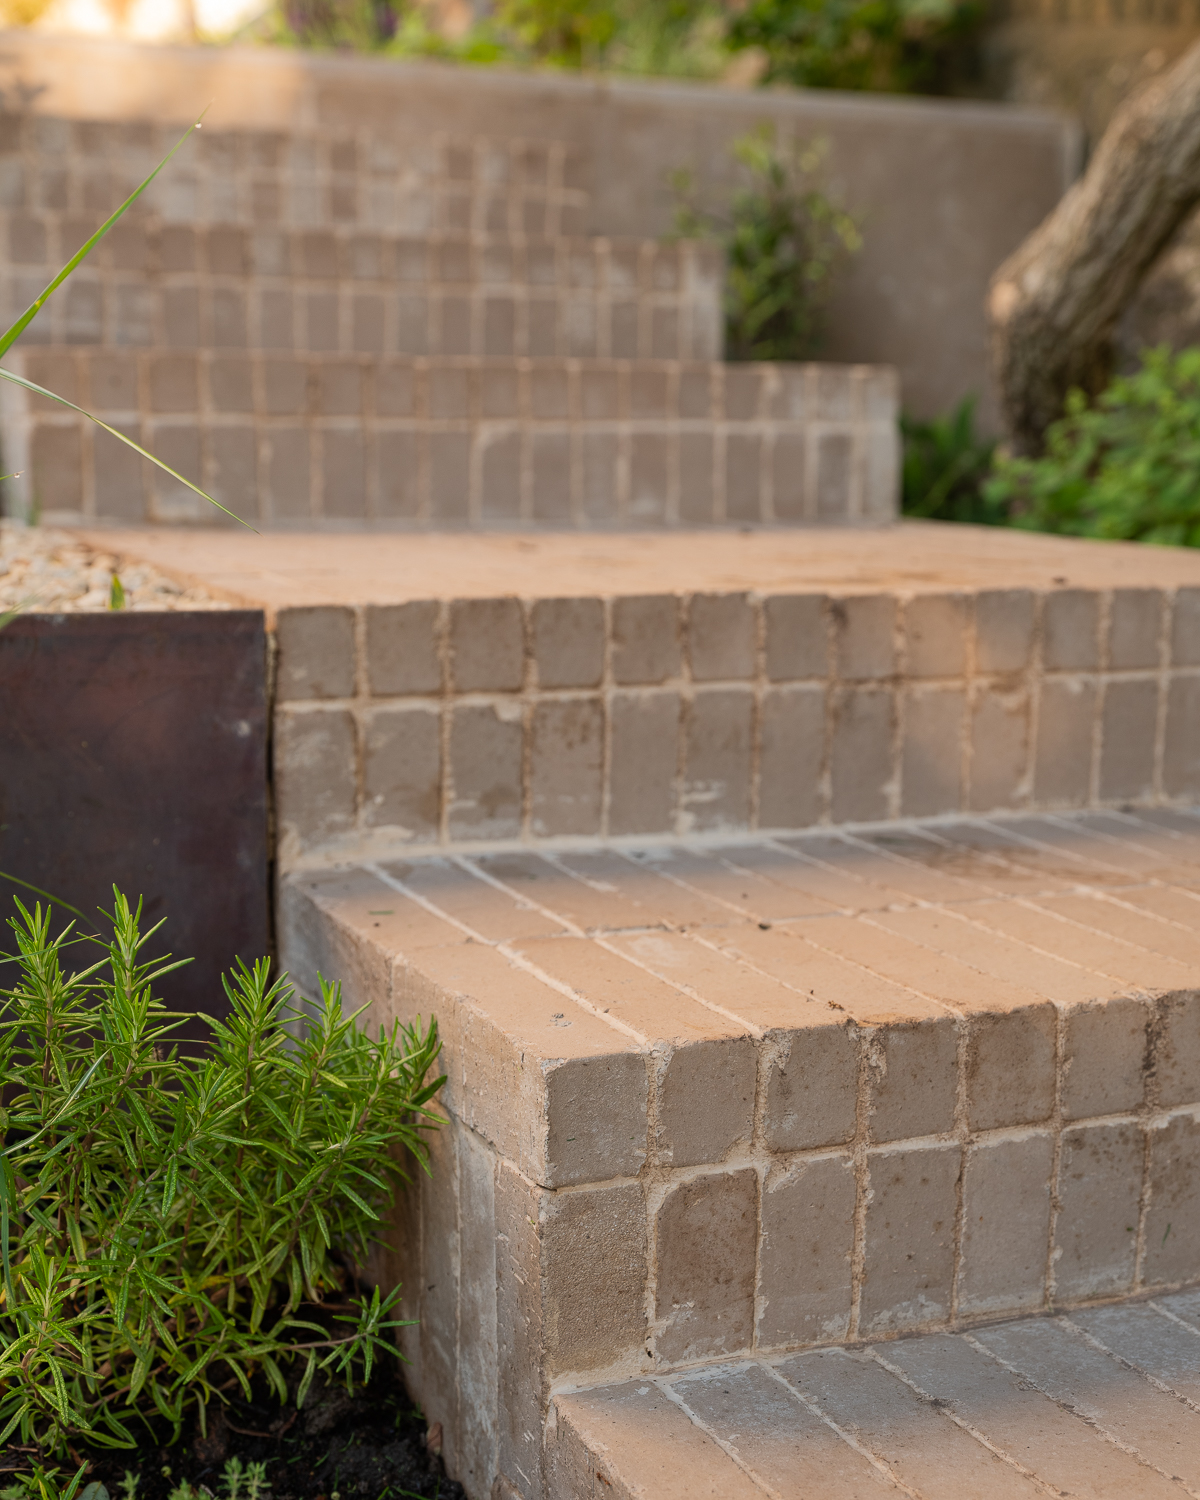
(373, 1445)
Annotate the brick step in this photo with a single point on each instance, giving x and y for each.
(464, 691)
(153, 283)
(372, 178)
(372, 440)
(1100, 1405)
(716, 1102)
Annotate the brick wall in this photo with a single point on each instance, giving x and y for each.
(501, 719)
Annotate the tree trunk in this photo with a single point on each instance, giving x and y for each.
(1055, 302)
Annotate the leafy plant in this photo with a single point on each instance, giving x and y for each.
(895, 46)
(569, 33)
(168, 1227)
(784, 242)
(946, 464)
(1127, 465)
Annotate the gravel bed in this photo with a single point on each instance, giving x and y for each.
(45, 571)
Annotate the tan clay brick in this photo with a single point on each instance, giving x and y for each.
(716, 785)
(705, 1101)
(402, 765)
(1177, 1058)
(316, 653)
(1010, 1067)
(1181, 747)
(485, 771)
(791, 756)
(402, 648)
(610, 985)
(1185, 628)
(1134, 624)
(960, 936)
(568, 642)
(487, 645)
(861, 754)
(646, 1445)
(936, 628)
(643, 762)
(314, 774)
(797, 636)
(864, 627)
(999, 749)
(1099, 1189)
(807, 1241)
(565, 768)
(931, 755)
(1129, 731)
(1063, 757)
(811, 1080)
(828, 981)
(912, 1078)
(1004, 620)
(1070, 630)
(706, 1238)
(1006, 1224)
(579, 1115)
(594, 1254)
(1173, 1217)
(721, 637)
(909, 1245)
(1104, 1058)
(645, 639)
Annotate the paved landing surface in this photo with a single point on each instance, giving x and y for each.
(288, 568)
(1102, 1404)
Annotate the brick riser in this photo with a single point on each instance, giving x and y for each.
(734, 1103)
(442, 444)
(353, 291)
(438, 185)
(479, 720)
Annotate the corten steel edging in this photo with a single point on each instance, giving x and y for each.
(133, 750)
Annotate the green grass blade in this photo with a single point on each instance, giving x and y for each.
(9, 337)
(39, 390)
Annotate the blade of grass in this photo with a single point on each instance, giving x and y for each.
(11, 334)
(40, 390)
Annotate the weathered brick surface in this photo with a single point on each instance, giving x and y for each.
(435, 440)
(903, 1101)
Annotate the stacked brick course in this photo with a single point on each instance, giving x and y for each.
(451, 722)
(359, 331)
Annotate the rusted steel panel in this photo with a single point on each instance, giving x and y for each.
(133, 751)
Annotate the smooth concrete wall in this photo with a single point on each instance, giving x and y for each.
(944, 190)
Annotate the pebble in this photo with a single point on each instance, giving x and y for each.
(48, 571)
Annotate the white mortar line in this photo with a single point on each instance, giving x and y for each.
(726, 1447)
(961, 1422)
(1074, 1411)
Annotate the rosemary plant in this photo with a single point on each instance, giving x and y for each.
(168, 1226)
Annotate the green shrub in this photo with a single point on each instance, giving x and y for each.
(895, 46)
(169, 1227)
(946, 464)
(784, 242)
(1124, 466)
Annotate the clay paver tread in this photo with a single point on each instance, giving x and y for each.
(1030, 1408)
(918, 920)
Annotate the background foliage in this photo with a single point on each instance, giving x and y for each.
(784, 242)
(897, 46)
(905, 46)
(1124, 466)
(169, 1227)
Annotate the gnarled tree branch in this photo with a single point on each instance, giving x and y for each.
(1055, 302)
